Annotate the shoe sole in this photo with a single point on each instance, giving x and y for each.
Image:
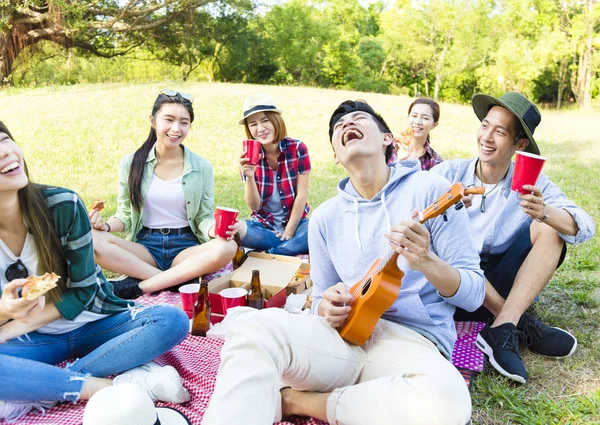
(484, 346)
(566, 355)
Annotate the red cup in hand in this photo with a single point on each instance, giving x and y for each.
(252, 149)
(189, 294)
(528, 167)
(224, 217)
(233, 297)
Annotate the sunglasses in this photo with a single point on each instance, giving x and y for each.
(16, 270)
(169, 92)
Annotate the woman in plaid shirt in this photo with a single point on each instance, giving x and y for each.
(276, 190)
(46, 229)
(165, 205)
(423, 116)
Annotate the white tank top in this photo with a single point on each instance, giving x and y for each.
(165, 205)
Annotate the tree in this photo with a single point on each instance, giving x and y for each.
(101, 27)
(438, 37)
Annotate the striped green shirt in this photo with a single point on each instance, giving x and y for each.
(87, 287)
(198, 189)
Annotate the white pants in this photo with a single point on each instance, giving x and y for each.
(397, 377)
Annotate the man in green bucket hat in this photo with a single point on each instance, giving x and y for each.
(520, 237)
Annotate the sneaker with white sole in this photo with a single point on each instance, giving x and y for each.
(162, 383)
(546, 340)
(501, 344)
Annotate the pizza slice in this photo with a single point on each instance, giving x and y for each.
(36, 286)
(98, 204)
(405, 137)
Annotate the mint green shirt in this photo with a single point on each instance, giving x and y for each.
(198, 189)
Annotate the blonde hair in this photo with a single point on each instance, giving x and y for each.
(278, 124)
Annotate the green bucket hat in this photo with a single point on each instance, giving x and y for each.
(527, 113)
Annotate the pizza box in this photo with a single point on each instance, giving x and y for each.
(276, 272)
(272, 298)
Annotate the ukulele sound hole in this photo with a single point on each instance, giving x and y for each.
(367, 286)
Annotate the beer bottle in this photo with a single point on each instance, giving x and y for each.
(201, 321)
(240, 255)
(255, 297)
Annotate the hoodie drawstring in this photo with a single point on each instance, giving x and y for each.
(356, 234)
(357, 215)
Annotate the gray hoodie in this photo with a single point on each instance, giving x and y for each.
(346, 235)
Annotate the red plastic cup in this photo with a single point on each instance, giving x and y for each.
(252, 149)
(224, 218)
(189, 294)
(233, 297)
(528, 167)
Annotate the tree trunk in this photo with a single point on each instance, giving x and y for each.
(6, 59)
(587, 59)
(436, 88)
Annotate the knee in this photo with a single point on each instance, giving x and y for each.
(545, 234)
(257, 325)
(173, 320)
(99, 240)
(227, 249)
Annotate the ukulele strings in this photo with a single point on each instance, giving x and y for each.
(366, 280)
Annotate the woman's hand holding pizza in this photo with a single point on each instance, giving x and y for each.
(16, 308)
(96, 219)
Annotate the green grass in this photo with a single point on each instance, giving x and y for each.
(75, 137)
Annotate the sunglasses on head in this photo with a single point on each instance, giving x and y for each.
(16, 270)
(169, 92)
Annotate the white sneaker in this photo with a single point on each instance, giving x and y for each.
(11, 411)
(162, 383)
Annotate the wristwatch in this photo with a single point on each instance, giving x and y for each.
(541, 220)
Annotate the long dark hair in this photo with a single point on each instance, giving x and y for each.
(38, 218)
(435, 107)
(138, 164)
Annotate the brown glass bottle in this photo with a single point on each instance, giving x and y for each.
(201, 321)
(255, 297)
(240, 255)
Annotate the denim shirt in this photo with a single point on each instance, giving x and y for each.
(198, 189)
(512, 219)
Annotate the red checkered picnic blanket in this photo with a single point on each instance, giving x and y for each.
(197, 361)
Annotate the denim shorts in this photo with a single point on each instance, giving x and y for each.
(164, 248)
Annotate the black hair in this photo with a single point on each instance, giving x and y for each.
(138, 164)
(360, 105)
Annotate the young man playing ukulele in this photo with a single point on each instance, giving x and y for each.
(520, 237)
(402, 374)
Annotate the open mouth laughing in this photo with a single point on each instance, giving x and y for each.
(351, 134)
(487, 149)
(10, 167)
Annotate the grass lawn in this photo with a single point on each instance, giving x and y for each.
(75, 137)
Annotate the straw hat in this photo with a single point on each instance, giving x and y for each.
(526, 112)
(128, 404)
(258, 103)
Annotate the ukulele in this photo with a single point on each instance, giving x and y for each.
(375, 293)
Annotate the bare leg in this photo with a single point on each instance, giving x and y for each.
(534, 274)
(93, 385)
(122, 256)
(304, 403)
(192, 263)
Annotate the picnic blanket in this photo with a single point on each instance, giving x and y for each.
(197, 360)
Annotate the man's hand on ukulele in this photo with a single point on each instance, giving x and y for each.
(334, 305)
(411, 240)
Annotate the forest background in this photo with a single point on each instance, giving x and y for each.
(444, 49)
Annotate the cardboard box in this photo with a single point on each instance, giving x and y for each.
(272, 298)
(276, 272)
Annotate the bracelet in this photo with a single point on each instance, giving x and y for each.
(108, 226)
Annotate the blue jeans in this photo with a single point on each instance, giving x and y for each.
(260, 238)
(164, 248)
(111, 345)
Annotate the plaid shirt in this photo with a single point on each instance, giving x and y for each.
(428, 160)
(293, 160)
(87, 288)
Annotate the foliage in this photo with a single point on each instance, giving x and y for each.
(444, 49)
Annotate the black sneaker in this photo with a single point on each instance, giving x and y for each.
(127, 287)
(544, 339)
(501, 344)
